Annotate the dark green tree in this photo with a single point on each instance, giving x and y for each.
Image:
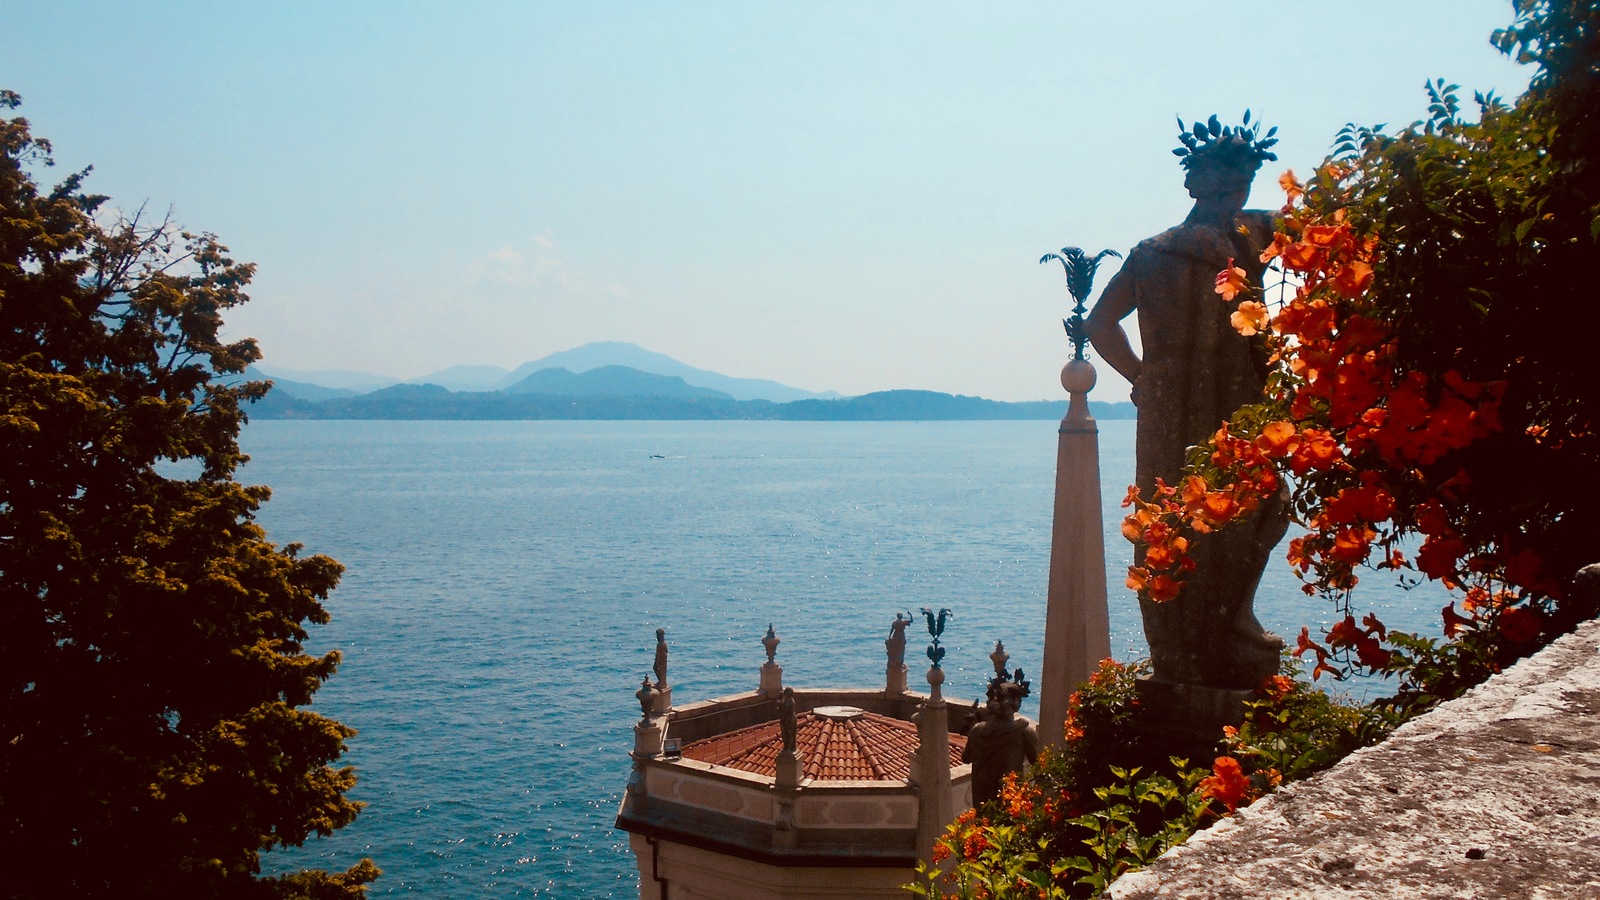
(153, 740)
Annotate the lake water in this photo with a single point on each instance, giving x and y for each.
(505, 579)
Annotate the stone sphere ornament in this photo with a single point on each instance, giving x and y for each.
(1078, 376)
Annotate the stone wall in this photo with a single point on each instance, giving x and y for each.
(1495, 794)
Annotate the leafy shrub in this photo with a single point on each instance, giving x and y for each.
(1106, 801)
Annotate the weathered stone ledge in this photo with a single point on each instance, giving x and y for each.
(1495, 794)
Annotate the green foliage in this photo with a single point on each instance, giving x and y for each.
(1137, 821)
(1130, 822)
(1487, 230)
(1488, 233)
(1082, 815)
(1006, 865)
(152, 740)
(1291, 730)
(1086, 814)
(1432, 671)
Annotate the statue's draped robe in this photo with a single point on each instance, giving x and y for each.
(1196, 371)
(995, 748)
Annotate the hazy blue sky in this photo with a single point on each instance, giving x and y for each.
(845, 196)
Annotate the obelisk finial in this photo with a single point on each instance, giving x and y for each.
(771, 642)
(1080, 269)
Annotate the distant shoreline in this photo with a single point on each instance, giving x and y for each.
(431, 402)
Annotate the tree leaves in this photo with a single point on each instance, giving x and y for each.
(151, 737)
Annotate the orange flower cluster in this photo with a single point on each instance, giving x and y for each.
(974, 843)
(1019, 796)
(1231, 281)
(1227, 784)
(1518, 624)
(1244, 475)
(1156, 526)
(1362, 439)
(1110, 670)
(966, 832)
(1365, 639)
(1304, 644)
(1277, 687)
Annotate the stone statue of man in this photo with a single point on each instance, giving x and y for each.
(660, 667)
(788, 721)
(1195, 372)
(1000, 743)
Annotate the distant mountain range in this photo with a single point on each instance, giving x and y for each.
(612, 380)
(578, 360)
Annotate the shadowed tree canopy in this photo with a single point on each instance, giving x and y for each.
(153, 739)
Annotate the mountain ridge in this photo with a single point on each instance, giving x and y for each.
(611, 381)
(585, 382)
(435, 402)
(468, 377)
(597, 354)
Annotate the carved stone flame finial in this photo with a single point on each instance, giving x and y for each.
(999, 657)
(771, 642)
(647, 698)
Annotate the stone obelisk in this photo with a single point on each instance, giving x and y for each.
(1077, 631)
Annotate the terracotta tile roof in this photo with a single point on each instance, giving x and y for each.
(863, 746)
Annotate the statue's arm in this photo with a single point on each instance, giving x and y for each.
(1105, 325)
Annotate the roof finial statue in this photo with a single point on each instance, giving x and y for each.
(660, 666)
(771, 642)
(936, 630)
(1080, 269)
(894, 673)
(936, 654)
(647, 699)
(789, 722)
(999, 657)
(895, 643)
(791, 768)
(771, 672)
(997, 684)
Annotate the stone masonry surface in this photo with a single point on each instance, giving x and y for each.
(1493, 795)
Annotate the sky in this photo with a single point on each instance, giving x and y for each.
(838, 196)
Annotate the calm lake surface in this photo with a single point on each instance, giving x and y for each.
(505, 579)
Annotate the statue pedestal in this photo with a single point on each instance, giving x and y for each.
(784, 834)
(771, 679)
(790, 769)
(663, 700)
(895, 680)
(930, 767)
(647, 739)
(1191, 707)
